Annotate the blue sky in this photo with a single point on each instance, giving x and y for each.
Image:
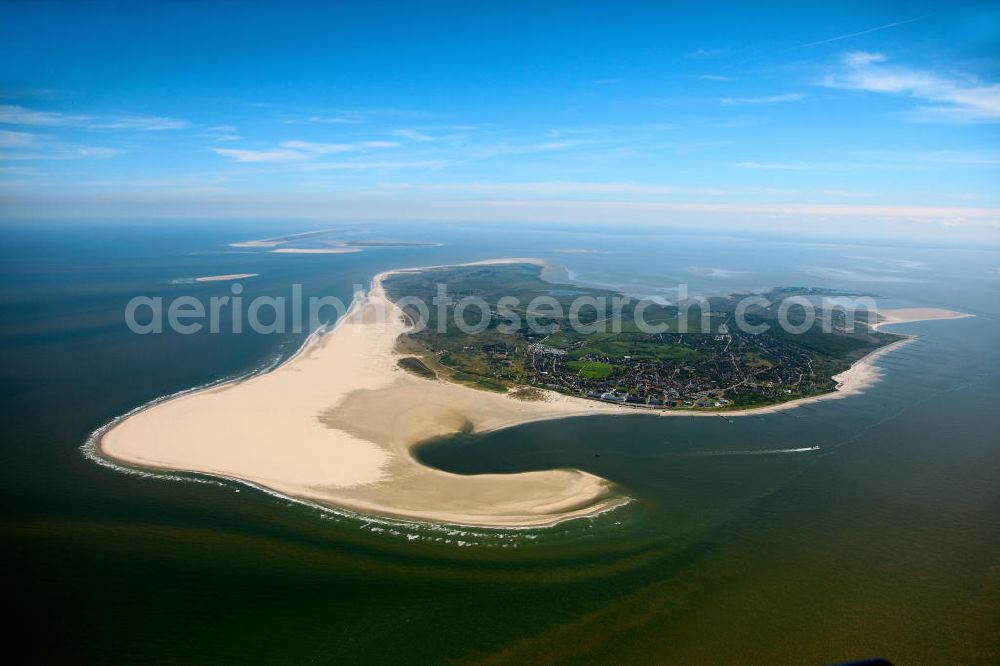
(869, 118)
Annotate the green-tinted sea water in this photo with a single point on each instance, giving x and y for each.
(884, 541)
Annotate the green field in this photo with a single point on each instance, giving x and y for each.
(593, 369)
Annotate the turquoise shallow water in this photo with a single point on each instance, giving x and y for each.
(884, 541)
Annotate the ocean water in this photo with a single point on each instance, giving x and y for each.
(853, 528)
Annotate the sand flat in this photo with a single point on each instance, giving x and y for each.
(224, 278)
(335, 425)
(257, 243)
(889, 316)
(317, 250)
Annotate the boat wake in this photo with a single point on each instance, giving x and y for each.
(757, 452)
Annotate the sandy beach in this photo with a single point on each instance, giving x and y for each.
(335, 425)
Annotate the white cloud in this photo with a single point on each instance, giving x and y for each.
(557, 188)
(714, 77)
(770, 99)
(300, 151)
(954, 97)
(223, 133)
(332, 148)
(947, 215)
(146, 123)
(347, 166)
(412, 135)
(11, 114)
(62, 152)
(84, 152)
(337, 120)
(24, 146)
(276, 155)
(15, 139)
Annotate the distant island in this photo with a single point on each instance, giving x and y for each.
(320, 242)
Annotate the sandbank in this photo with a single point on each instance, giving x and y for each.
(223, 278)
(317, 250)
(257, 243)
(891, 316)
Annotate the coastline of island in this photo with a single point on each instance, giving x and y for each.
(335, 425)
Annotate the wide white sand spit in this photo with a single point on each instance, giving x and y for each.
(888, 316)
(335, 425)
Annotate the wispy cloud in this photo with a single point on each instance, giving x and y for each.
(85, 152)
(769, 99)
(355, 116)
(61, 152)
(223, 133)
(333, 148)
(16, 139)
(703, 53)
(12, 114)
(714, 77)
(143, 123)
(930, 158)
(273, 155)
(558, 188)
(942, 215)
(365, 166)
(956, 98)
(26, 92)
(858, 33)
(31, 146)
(489, 151)
(300, 151)
(336, 120)
(412, 135)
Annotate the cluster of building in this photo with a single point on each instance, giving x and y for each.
(727, 367)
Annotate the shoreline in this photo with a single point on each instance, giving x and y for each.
(334, 426)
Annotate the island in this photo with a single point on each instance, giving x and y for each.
(334, 425)
(691, 361)
(322, 244)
